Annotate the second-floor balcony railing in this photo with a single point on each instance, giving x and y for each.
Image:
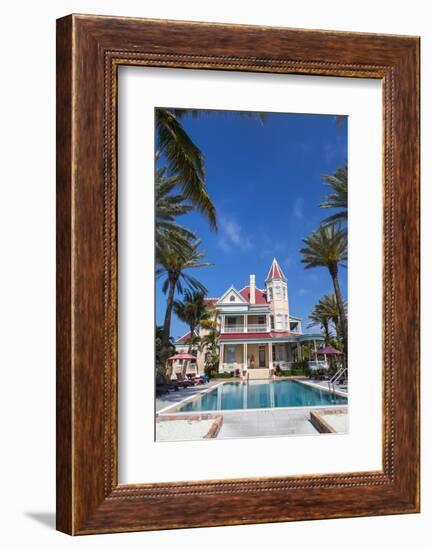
(247, 328)
(257, 328)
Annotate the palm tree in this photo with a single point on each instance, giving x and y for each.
(174, 266)
(168, 233)
(318, 317)
(326, 312)
(328, 305)
(209, 343)
(160, 371)
(193, 311)
(338, 198)
(327, 247)
(184, 160)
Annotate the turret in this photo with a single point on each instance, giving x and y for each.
(276, 291)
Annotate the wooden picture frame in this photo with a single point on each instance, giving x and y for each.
(89, 51)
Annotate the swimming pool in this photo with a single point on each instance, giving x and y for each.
(262, 395)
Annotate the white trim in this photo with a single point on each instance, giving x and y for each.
(177, 341)
(231, 289)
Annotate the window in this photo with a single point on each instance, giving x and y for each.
(278, 295)
(279, 320)
(261, 320)
(285, 292)
(272, 321)
(230, 354)
(280, 352)
(232, 298)
(270, 294)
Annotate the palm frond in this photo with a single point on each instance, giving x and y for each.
(325, 246)
(184, 160)
(339, 196)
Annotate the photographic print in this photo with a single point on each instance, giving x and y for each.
(251, 274)
(202, 269)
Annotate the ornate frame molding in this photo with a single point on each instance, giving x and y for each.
(90, 49)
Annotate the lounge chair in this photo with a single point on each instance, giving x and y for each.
(201, 379)
(182, 381)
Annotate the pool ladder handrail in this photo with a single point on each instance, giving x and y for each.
(335, 378)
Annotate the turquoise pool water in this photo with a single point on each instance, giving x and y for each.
(262, 395)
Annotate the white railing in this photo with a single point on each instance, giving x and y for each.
(242, 328)
(342, 371)
(257, 328)
(236, 328)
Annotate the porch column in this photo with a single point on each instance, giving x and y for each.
(268, 323)
(245, 365)
(299, 349)
(315, 351)
(221, 355)
(245, 328)
(270, 355)
(222, 323)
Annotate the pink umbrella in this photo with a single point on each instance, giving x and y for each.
(182, 356)
(329, 351)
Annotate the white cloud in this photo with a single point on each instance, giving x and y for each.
(298, 208)
(332, 149)
(231, 236)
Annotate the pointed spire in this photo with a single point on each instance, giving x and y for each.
(275, 272)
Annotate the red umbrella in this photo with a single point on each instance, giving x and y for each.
(329, 351)
(182, 356)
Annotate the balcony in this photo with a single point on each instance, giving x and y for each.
(257, 328)
(242, 328)
(233, 328)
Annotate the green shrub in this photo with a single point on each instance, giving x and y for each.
(297, 371)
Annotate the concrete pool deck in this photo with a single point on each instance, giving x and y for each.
(243, 423)
(175, 397)
(257, 423)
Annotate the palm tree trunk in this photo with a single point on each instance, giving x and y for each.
(333, 270)
(192, 333)
(336, 321)
(164, 350)
(326, 331)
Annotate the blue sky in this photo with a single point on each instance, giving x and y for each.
(265, 180)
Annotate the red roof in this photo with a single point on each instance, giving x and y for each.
(184, 339)
(211, 302)
(275, 272)
(260, 296)
(243, 335)
(284, 334)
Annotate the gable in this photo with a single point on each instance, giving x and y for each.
(231, 296)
